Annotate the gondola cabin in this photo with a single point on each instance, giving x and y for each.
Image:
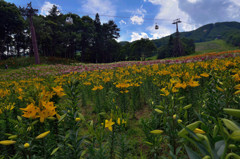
(69, 20)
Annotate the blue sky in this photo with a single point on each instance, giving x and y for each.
(137, 18)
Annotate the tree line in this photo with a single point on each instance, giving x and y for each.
(169, 50)
(86, 39)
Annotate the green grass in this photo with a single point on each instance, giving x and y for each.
(18, 62)
(201, 48)
(152, 57)
(213, 46)
(207, 47)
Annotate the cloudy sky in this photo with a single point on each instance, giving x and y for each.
(137, 18)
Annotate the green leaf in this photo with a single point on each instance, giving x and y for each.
(172, 155)
(156, 132)
(83, 153)
(102, 113)
(178, 149)
(187, 106)
(160, 107)
(148, 143)
(67, 136)
(81, 116)
(62, 117)
(201, 147)
(226, 131)
(191, 153)
(54, 151)
(232, 146)
(233, 112)
(230, 125)
(232, 154)
(159, 111)
(215, 131)
(190, 126)
(69, 145)
(235, 135)
(180, 98)
(35, 122)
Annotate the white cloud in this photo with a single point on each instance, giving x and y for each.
(169, 10)
(233, 10)
(137, 19)
(47, 6)
(136, 36)
(192, 13)
(189, 27)
(122, 22)
(236, 2)
(103, 7)
(193, 1)
(162, 31)
(141, 11)
(156, 2)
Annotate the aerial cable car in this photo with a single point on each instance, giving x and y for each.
(156, 26)
(69, 20)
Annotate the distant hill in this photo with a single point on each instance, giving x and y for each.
(122, 43)
(213, 46)
(207, 32)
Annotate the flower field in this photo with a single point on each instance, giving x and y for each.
(179, 108)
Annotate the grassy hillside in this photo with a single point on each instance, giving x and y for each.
(212, 31)
(213, 46)
(206, 47)
(17, 62)
(206, 33)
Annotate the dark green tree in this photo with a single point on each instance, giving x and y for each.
(98, 40)
(233, 38)
(54, 21)
(125, 51)
(141, 49)
(11, 24)
(73, 35)
(110, 32)
(54, 12)
(87, 40)
(188, 46)
(168, 50)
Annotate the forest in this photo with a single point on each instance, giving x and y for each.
(84, 39)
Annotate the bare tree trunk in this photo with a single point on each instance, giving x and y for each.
(34, 42)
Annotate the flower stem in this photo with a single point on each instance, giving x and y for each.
(112, 144)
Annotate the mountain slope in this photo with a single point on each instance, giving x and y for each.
(207, 33)
(213, 46)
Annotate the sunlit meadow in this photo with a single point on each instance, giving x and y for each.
(177, 108)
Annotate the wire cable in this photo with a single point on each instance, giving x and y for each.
(155, 20)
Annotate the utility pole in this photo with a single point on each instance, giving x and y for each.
(30, 13)
(178, 49)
